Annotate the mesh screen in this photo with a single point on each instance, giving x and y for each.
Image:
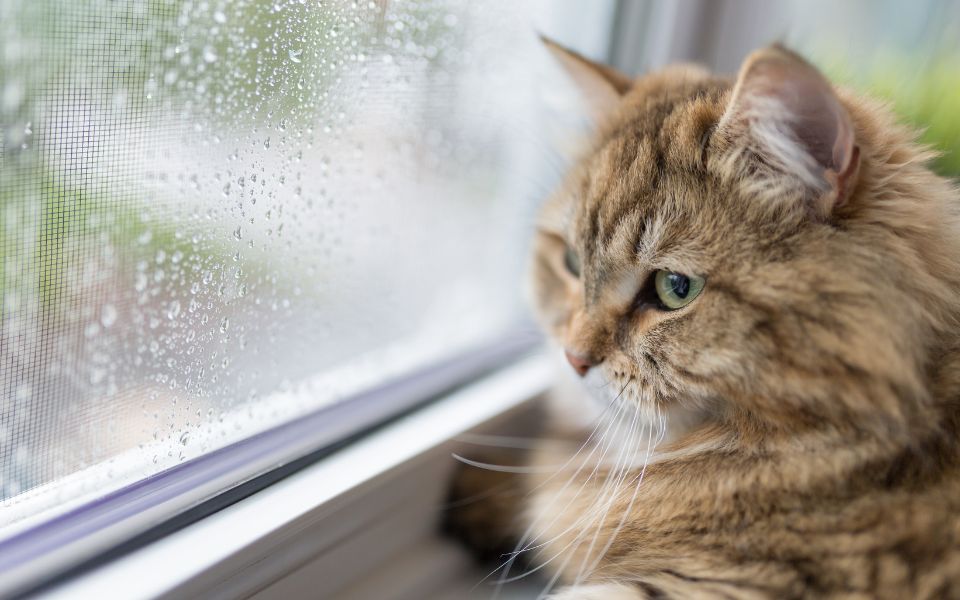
(215, 216)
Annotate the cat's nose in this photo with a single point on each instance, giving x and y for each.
(580, 364)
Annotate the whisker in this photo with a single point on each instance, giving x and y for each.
(609, 493)
(526, 536)
(578, 539)
(503, 468)
(560, 513)
(661, 426)
(623, 468)
(599, 421)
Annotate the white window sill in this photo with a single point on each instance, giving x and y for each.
(323, 531)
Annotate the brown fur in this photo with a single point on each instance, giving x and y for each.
(821, 359)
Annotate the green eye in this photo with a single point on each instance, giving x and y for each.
(571, 261)
(675, 290)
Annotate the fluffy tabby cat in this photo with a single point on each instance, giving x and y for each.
(758, 281)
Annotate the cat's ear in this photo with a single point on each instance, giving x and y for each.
(790, 118)
(600, 86)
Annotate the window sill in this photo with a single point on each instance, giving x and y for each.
(325, 529)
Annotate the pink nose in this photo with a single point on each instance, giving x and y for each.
(580, 365)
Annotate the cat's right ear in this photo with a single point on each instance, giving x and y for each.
(793, 122)
(600, 86)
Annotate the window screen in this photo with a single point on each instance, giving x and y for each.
(218, 216)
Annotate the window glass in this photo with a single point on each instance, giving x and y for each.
(216, 216)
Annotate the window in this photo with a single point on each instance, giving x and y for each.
(233, 233)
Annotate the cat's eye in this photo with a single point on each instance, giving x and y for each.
(571, 261)
(675, 290)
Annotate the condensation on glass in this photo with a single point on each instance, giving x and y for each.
(215, 216)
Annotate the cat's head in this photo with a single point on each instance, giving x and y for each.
(764, 250)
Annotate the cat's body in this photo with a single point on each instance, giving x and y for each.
(829, 520)
(809, 396)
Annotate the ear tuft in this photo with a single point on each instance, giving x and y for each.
(600, 86)
(793, 121)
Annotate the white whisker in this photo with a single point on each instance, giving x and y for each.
(628, 451)
(587, 514)
(589, 517)
(661, 426)
(503, 468)
(525, 544)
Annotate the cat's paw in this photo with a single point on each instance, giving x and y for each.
(482, 510)
(599, 591)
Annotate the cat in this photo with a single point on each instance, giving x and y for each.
(758, 280)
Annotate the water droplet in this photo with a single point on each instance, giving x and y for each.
(108, 315)
(24, 392)
(209, 55)
(219, 17)
(97, 375)
(224, 324)
(119, 100)
(295, 55)
(13, 94)
(174, 310)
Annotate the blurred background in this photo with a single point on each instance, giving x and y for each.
(216, 217)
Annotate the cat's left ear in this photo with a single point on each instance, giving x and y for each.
(791, 119)
(600, 86)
